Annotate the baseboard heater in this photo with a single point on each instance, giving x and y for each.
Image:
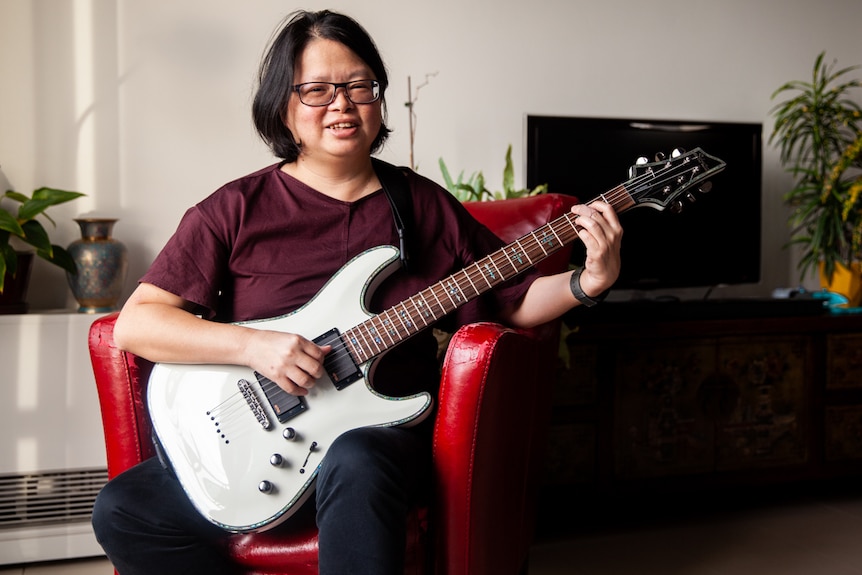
(45, 516)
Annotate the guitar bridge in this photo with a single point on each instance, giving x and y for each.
(253, 403)
(338, 363)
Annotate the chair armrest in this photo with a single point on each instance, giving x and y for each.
(493, 413)
(121, 382)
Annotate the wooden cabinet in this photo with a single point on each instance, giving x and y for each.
(694, 403)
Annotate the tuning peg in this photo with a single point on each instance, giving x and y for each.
(676, 207)
(660, 157)
(677, 152)
(705, 188)
(690, 197)
(641, 161)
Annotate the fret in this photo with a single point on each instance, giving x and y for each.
(383, 324)
(502, 277)
(551, 227)
(475, 289)
(439, 303)
(454, 288)
(523, 251)
(355, 349)
(539, 244)
(406, 320)
(359, 330)
(481, 273)
(424, 306)
(391, 327)
(373, 335)
(511, 263)
(447, 294)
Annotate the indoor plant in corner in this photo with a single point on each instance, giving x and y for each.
(818, 131)
(20, 226)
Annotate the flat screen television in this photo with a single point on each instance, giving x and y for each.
(714, 241)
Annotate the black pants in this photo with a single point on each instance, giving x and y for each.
(366, 484)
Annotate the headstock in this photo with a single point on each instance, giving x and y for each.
(667, 182)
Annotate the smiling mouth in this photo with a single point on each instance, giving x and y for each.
(342, 126)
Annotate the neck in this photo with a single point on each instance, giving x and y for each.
(345, 181)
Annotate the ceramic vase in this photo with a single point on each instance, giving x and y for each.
(102, 264)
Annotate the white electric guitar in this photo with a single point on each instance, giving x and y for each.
(247, 453)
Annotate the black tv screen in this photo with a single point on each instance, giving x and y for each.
(713, 241)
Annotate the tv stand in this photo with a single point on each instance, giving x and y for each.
(666, 405)
(668, 308)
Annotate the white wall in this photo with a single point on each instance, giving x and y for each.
(144, 105)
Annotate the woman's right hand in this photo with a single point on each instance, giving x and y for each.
(288, 359)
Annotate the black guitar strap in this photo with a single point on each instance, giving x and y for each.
(397, 190)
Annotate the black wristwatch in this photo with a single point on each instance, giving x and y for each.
(579, 294)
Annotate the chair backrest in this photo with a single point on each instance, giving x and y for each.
(512, 219)
(121, 380)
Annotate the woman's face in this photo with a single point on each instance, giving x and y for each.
(342, 129)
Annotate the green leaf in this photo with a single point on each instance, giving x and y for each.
(44, 198)
(10, 224)
(36, 236)
(59, 257)
(13, 195)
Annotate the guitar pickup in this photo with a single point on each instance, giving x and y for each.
(285, 405)
(338, 363)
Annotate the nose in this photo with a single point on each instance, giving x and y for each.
(347, 103)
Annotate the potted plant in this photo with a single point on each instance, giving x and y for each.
(21, 227)
(474, 190)
(818, 133)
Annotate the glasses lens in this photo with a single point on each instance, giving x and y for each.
(363, 92)
(323, 93)
(316, 93)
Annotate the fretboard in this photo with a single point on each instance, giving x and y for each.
(392, 326)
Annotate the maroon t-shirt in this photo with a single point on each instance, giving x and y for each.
(265, 244)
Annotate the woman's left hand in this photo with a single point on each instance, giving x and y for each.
(601, 232)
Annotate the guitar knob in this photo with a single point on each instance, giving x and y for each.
(276, 460)
(289, 433)
(265, 486)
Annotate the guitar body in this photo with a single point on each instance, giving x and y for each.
(242, 475)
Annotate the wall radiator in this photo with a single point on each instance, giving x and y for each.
(52, 453)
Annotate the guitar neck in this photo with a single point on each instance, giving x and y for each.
(387, 329)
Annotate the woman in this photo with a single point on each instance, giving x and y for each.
(263, 246)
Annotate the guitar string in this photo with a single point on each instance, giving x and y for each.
(396, 335)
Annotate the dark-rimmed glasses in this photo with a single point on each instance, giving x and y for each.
(323, 93)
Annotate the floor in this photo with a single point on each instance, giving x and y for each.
(802, 534)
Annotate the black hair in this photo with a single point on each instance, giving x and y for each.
(276, 80)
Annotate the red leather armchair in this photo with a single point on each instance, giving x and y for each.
(491, 417)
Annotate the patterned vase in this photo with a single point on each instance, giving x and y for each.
(102, 264)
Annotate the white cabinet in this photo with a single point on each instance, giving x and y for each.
(52, 451)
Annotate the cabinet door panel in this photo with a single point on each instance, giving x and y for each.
(768, 425)
(659, 425)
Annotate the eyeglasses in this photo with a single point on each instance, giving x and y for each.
(323, 93)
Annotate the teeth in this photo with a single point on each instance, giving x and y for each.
(339, 126)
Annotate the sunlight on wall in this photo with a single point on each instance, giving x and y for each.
(84, 62)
